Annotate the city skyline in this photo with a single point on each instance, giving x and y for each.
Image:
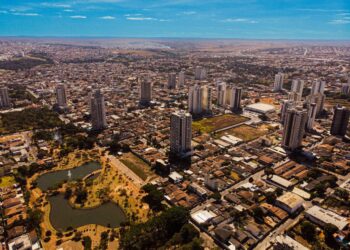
(321, 20)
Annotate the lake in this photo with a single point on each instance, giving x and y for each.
(63, 215)
(52, 179)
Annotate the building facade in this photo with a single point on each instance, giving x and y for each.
(98, 111)
(294, 128)
(180, 133)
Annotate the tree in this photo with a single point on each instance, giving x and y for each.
(87, 243)
(34, 218)
(269, 172)
(216, 196)
(258, 214)
(329, 230)
(270, 197)
(154, 197)
(342, 193)
(308, 231)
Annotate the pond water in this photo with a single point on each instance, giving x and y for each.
(52, 179)
(63, 215)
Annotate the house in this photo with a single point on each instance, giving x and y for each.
(290, 202)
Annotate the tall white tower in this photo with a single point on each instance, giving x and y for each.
(235, 98)
(172, 81)
(221, 94)
(318, 87)
(181, 78)
(199, 99)
(297, 86)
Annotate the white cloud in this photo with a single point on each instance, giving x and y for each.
(78, 17)
(239, 20)
(141, 18)
(56, 5)
(3, 12)
(68, 10)
(107, 17)
(189, 13)
(137, 14)
(340, 21)
(25, 14)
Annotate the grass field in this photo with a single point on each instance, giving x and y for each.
(245, 132)
(135, 164)
(208, 125)
(7, 181)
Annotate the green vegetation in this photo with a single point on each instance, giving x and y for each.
(28, 119)
(87, 243)
(7, 181)
(208, 125)
(308, 231)
(168, 229)
(24, 63)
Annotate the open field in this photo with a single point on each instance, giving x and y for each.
(137, 165)
(208, 125)
(245, 132)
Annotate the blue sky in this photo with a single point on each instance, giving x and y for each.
(252, 19)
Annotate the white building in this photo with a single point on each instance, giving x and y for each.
(286, 104)
(340, 121)
(200, 73)
(260, 108)
(311, 115)
(180, 133)
(278, 84)
(318, 87)
(322, 217)
(61, 96)
(290, 202)
(199, 99)
(98, 111)
(294, 128)
(297, 86)
(319, 99)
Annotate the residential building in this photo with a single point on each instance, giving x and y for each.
(199, 99)
(181, 78)
(200, 73)
(318, 87)
(311, 115)
(278, 84)
(61, 97)
(172, 81)
(297, 86)
(97, 111)
(286, 104)
(221, 94)
(340, 121)
(4, 98)
(294, 128)
(145, 92)
(235, 98)
(180, 133)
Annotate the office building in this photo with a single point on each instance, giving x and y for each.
(318, 87)
(278, 84)
(181, 78)
(180, 133)
(221, 94)
(199, 99)
(294, 128)
(311, 115)
(4, 98)
(297, 87)
(61, 97)
(235, 98)
(340, 121)
(97, 111)
(145, 91)
(172, 81)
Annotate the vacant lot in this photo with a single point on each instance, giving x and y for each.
(208, 125)
(135, 164)
(245, 132)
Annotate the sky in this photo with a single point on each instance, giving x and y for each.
(245, 19)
